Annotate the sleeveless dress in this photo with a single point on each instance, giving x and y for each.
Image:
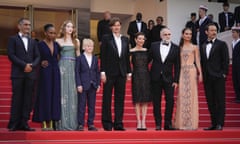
(187, 100)
(68, 90)
(48, 105)
(140, 77)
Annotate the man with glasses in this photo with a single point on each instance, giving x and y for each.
(165, 57)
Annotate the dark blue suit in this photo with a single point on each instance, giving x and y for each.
(89, 79)
(202, 28)
(223, 22)
(22, 82)
(235, 70)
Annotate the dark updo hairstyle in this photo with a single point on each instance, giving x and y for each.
(47, 27)
(138, 34)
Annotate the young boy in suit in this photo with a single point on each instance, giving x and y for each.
(88, 82)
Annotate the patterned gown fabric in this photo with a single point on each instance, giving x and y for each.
(68, 90)
(187, 99)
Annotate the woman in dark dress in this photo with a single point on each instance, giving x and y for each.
(48, 105)
(140, 80)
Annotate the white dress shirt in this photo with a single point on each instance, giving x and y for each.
(89, 59)
(202, 20)
(139, 25)
(234, 42)
(164, 50)
(209, 47)
(118, 43)
(226, 16)
(25, 40)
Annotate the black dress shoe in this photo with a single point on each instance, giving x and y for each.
(158, 128)
(236, 101)
(27, 128)
(13, 129)
(119, 129)
(107, 129)
(210, 128)
(92, 128)
(80, 128)
(218, 127)
(169, 128)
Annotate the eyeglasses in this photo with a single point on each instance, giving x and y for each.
(167, 34)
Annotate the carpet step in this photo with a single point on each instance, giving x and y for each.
(128, 137)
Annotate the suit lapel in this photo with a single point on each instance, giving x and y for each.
(169, 52)
(213, 48)
(114, 46)
(204, 46)
(29, 44)
(123, 47)
(85, 61)
(159, 52)
(21, 41)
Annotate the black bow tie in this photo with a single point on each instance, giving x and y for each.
(25, 36)
(166, 44)
(209, 42)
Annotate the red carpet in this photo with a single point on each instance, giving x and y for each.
(230, 134)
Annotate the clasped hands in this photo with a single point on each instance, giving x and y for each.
(28, 68)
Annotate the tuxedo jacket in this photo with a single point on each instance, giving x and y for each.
(103, 28)
(222, 20)
(236, 56)
(87, 76)
(201, 28)
(155, 33)
(133, 29)
(217, 63)
(20, 57)
(111, 63)
(237, 14)
(168, 67)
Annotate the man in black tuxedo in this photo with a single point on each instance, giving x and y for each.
(115, 67)
(192, 25)
(225, 18)
(24, 55)
(237, 15)
(214, 61)
(155, 32)
(236, 62)
(136, 26)
(103, 26)
(165, 57)
(201, 23)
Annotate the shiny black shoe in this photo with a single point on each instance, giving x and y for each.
(119, 129)
(237, 101)
(218, 127)
(13, 129)
(27, 128)
(169, 128)
(210, 128)
(92, 128)
(80, 128)
(158, 128)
